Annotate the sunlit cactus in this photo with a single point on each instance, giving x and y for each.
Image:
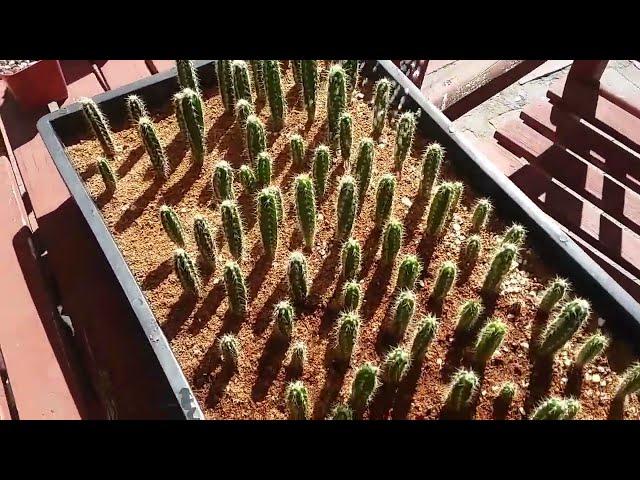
(591, 349)
(268, 221)
(468, 316)
(232, 227)
(564, 326)
(243, 110)
(297, 150)
(439, 209)
(192, 113)
(283, 316)
(462, 390)
(507, 393)
(351, 70)
(555, 293)
(224, 69)
(404, 138)
(515, 234)
(153, 147)
(263, 169)
(321, 165)
(500, 267)
(553, 408)
(257, 70)
(395, 366)
(346, 137)
(99, 125)
(306, 208)
(172, 225)
(297, 400)
(309, 70)
(444, 281)
(248, 179)
(481, 213)
(187, 76)
(351, 296)
(298, 276)
(296, 66)
(431, 162)
(458, 188)
(222, 181)
(472, 249)
(241, 80)
(630, 382)
(177, 105)
(404, 309)
(298, 357)
(408, 272)
(364, 168)
(384, 199)
(186, 272)
(256, 138)
(347, 330)
(425, 333)
(278, 195)
(229, 349)
(350, 257)
(136, 109)
(346, 207)
(341, 412)
(236, 289)
(109, 177)
(365, 383)
(336, 100)
(489, 340)
(202, 232)
(275, 96)
(573, 408)
(380, 106)
(391, 241)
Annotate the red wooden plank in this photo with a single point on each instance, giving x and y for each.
(122, 72)
(81, 81)
(162, 65)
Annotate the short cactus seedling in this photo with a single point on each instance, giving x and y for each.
(172, 225)
(321, 165)
(153, 147)
(472, 249)
(555, 293)
(347, 335)
(408, 273)
(444, 281)
(268, 221)
(404, 138)
(468, 316)
(481, 213)
(391, 241)
(186, 272)
(573, 408)
(109, 177)
(297, 399)
(257, 69)
(298, 276)
(278, 195)
(243, 110)
(489, 340)
(431, 162)
(284, 317)
(236, 289)
(384, 199)
(439, 209)
(364, 168)
(232, 227)
(564, 326)
(248, 179)
(202, 232)
(405, 308)
(187, 77)
(298, 357)
(395, 366)
(630, 382)
(99, 126)
(263, 169)
(135, 108)
(380, 106)
(222, 181)
(297, 146)
(515, 234)
(364, 385)
(309, 71)
(275, 97)
(464, 386)
(336, 100)
(500, 266)
(241, 80)
(425, 333)
(351, 257)
(458, 188)
(256, 138)
(346, 207)
(306, 208)
(507, 393)
(553, 408)
(341, 412)
(346, 137)
(224, 69)
(591, 349)
(351, 296)
(229, 349)
(193, 116)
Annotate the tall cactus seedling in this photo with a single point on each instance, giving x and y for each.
(444, 281)
(284, 317)
(351, 70)
(226, 85)
(153, 147)
(404, 138)
(268, 221)
(489, 340)
(256, 138)
(347, 335)
(177, 104)
(296, 65)
(232, 227)
(346, 138)
(136, 109)
(408, 273)
(204, 240)
(462, 390)
(243, 110)
(187, 76)
(296, 144)
(431, 162)
(564, 326)
(350, 257)
(425, 333)
(591, 349)
(236, 289)
(336, 100)
(99, 126)
(468, 315)
(257, 69)
(380, 106)
(458, 188)
(365, 383)
(109, 177)
(298, 276)
(346, 207)
(500, 266)
(222, 181)
(275, 96)
(404, 310)
(186, 272)
(241, 81)
(321, 165)
(263, 169)
(481, 213)
(172, 225)
(229, 349)
(384, 199)
(248, 179)
(630, 382)
(297, 400)
(306, 208)
(364, 168)
(439, 209)
(555, 293)
(192, 113)
(396, 365)
(310, 87)
(391, 242)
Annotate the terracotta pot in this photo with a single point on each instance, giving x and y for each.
(38, 84)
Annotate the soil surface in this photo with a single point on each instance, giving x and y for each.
(256, 390)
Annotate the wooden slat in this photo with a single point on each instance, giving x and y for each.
(122, 72)
(81, 81)
(162, 65)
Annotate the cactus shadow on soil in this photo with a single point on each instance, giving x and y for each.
(134, 155)
(158, 275)
(268, 366)
(207, 308)
(133, 212)
(333, 380)
(219, 130)
(539, 382)
(406, 391)
(178, 314)
(263, 317)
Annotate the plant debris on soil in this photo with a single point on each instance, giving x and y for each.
(256, 390)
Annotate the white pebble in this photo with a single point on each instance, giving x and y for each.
(407, 201)
(595, 378)
(601, 321)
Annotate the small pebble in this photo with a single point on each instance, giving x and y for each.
(601, 321)
(601, 369)
(407, 201)
(567, 362)
(524, 344)
(595, 378)
(521, 410)
(360, 96)
(439, 361)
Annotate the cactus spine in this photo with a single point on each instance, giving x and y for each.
(226, 86)
(298, 357)
(306, 208)
(468, 316)
(241, 81)
(384, 199)
(564, 326)
(321, 164)
(229, 349)
(351, 296)
(404, 310)
(395, 366)
(472, 249)
(346, 136)
(309, 72)
(256, 138)
(408, 273)
(351, 70)
(99, 126)
(351, 256)
(462, 390)
(341, 412)
(507, 393)
(222, 181)
(298, 276)
(186, 272)
(380, 105)
(297, 399)
(243, 110)
(364, 385)
(257, 69)
(135, 108)
(187, 77)
(431, 162)
(248, 179)
(404, 138)
(347, 335)
(153, 147)
(263, 169)
(591, 349)
(481, 213)
(192, 113)
(500, 266)
(425, 333)
(489, 340)
(553, 408)
(336, 99)
(439, 209)
(204, 239)
(444, 281)
(346, 207)
(109, 177)
(284, 319)
(554, 293)
(236, 289)
(275, 97)
(232, 227)
(364, 168)
(515, 234)
(172, 225)
(297, 150)
(630, 381)
(391, 241)
(268, 220)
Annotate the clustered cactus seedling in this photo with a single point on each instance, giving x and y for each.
(481, 213)
(243, 109)
(384, 199)
(391, 241)
(297, 399)
(468, 316)
(284, 317)
(298, 276)
(321, 165)
(347, 335)
(341, 412)
(241, 80)
(298, 357)
(229, 349)
(236, 289)
(591, 349)
(346, 207)
(464, 386)
(472, 249)
(380, 106)
(346, 137)
(193, 117)
(408, 272)
(222, 181)
(248, 179)
(336, 100)
(99, 126)
(489, 340)
(256, 138)
(109, 177)
(136, 108)
(404, 138)
(268, 221)
(204, 239)
(431, 162)
(405, 308)
(306, 208)
(224, 69)
(439, 209)
(444, 281)
(263, 169)
(425, 333)
(275, 97)
(257, 69)
(364, 385)
(309, 71)
(564, 326)
(364, 168)
(351, 296)
(232, 227)
(515, 234)
(554, 293)
(186, 272)
(351, 257)
(395, 366)
(187, 77)
(500, 266)
(630, 382)
(297, 150)
(172, 225)
(153, 147)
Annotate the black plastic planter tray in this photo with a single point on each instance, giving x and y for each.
(64, 126)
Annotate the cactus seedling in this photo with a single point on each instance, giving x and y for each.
(351, 296)
(351, 256)
(109, 177)
(346, 136)
(236, 289)
(364, 385)
(241, 80)
(515, 234)
(232, 227)
(346, 207)
(298, 356)
(284, 319)
(431, 163)
(275, 97)
(99, 125)
(458, 188)
(553, 408)
(404, 138)
(396, 365)
(364, 168)
(472, 249)
(298, 276)
(297, 150)
(630, 382)
(384, 199)
(135, 108)
(444, 281)
(204, 240)
(408, 272)
(153, 147)
(439, 209)
(404, 310)
(297, 399)
(257, 69)
(306, 208)
(321, 164)
(462, 390)
(263, 169)
(172, 225)
(177, 104)
(351, 70)
(229, 348)
(554, 293)
(186, 272)
(256, 138)
(341, 412)
(278, 194)
(222, 181)
(573, 408)
(481, 213)
(500, 266)
(296, 65)
(507, 393)
(347, 335)
(564, 326)
(336, 99)
(268, 221)
(391, 241)
(248, 179)
(425, 333)
(309, 70)
(243, 110)
(380, 106)
(187, 77)
(192, 114)
(468, 316)
(226, 86)
(591, 349)
(489, 340)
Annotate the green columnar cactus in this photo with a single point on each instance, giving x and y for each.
(351, 296)
(297, 150)
(236, 289)
(444, 281)
(425, 333)
(347, 335)
(297, 399)
(263, 169)
(431, 162)
(464, 386)
(99, 126)
(243, 110)
(404, 310)
(515, 234)
(346, 207)
(346, 136)
(296, 65)
(554, 293)
(489, 340)
(395, 366)
(507, 393)
(364, 385)
(564, 326)
(310, 87)
(306, 208)
(472, 249)
(351, 256)
(226, 86)
(256, 138)
(248, 179)
(336, 100)
(186, 272)
(341, 412)
(172, 225)
(573, 408)
(298, 276)
(481, 213)
(591, 349)
(192, 113)
(404, 138)
(222, 181)
(202, 232)
(364, 168)
(257, 69)
(153, 147)
(408, 272)
(275, 97)
(553, 408)
(468, 316)
(232, 227)
(268, 221)
(284, 317)
(241, 81)
(384, 199)
(135, 108)
(109, 177)
(500, 266)
(229, 349)
(391, 241)
(321, 164)
(187, 76)
(630, 382)
(351, 70)
(380, 106)
(439, 209)
(458, 188)
(278, 195)
(298, 356)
